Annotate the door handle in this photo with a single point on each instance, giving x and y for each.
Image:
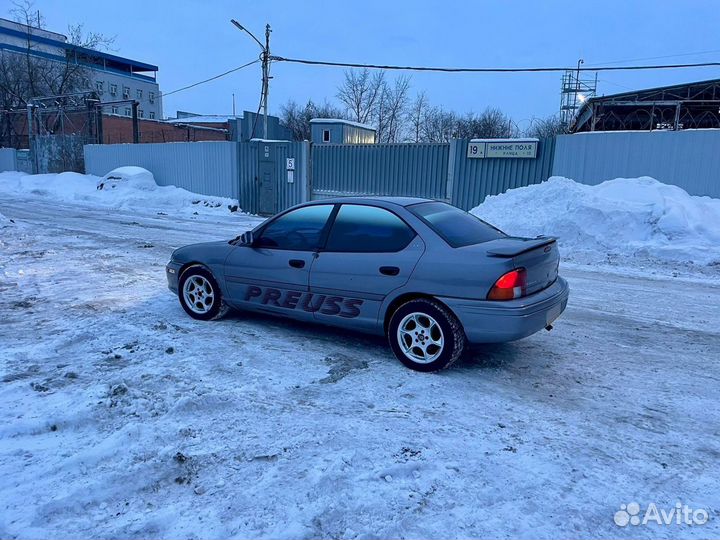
(389, 270)
(297, 263)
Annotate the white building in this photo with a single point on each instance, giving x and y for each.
(114, 78)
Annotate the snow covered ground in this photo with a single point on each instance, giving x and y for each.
(121, 417)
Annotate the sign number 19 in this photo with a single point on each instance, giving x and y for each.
(476, 150)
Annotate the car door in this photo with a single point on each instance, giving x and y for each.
(272, 274)
(369, 252)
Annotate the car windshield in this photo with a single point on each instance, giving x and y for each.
(456, 227)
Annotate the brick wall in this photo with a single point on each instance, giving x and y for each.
(118, 129)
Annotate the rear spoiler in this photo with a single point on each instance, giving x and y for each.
(520, 245)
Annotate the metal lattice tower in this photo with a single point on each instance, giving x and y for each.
(575, 90)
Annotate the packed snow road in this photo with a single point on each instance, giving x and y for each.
(122, 417)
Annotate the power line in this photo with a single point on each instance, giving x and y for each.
(228, 72)
(491, 69)
(698, 53)
(465, 70)
(615, 84)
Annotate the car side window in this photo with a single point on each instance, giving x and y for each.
(368, 229)
(299, 230)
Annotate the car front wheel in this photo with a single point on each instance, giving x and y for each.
(200, 294)
(425, 335)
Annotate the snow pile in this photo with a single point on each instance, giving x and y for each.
(618, 220)
(128, 178)
(124, 188)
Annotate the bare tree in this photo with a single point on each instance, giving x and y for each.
(361, 92)
(79, 37)
(546, 127)
(297, 118)
(386, 104)
(438, 125)
(490, 124)
(415, 117)
(391, 112)
(26, 74)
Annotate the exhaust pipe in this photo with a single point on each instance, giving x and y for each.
(549, 327)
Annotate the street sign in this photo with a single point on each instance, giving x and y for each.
(503, 148)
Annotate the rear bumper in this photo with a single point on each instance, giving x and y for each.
(495, 322)
(172, 270)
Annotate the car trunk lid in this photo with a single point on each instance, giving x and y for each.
(539, 256)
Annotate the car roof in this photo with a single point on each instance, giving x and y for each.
(400, 201)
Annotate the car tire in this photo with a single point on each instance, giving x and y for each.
(425, 335)
(200, 295)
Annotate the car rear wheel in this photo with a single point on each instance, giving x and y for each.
(200, 294)
(425, 335)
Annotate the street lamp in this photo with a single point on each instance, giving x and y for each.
(241, 27)
(577, 85)
(265, 67)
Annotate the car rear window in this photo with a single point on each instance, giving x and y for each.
(457, 227)
(368, 229)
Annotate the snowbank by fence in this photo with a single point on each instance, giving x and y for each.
(618, 220)
(125, 188)
(269, 176)
(208, 168)
(238, 170)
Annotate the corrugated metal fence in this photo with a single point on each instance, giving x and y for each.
(418, 170)
(264, 178)
(688, 158)
(269, 176)
(472, 180)
(435, 171)
(289, 189)
(208, 168)
(219, 168)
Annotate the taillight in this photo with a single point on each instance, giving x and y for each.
(509, 286)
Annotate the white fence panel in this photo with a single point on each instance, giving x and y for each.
(8, 161)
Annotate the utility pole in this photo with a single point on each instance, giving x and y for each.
(265, 58)
(577, 82)
(266, 78)
(31, 145)
(135, 124)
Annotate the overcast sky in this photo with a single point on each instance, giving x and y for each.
(193, 40)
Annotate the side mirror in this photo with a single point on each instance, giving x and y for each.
(247, 238)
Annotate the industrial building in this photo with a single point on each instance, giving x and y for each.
(243, 127)
(112, 77)
(339, 131)
(694, 105)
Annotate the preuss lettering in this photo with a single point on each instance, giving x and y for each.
(306, 301)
